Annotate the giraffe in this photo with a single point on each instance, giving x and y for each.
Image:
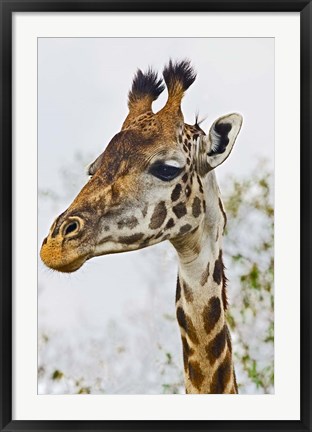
(155, 181)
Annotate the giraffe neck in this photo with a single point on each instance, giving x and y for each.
(201, 305)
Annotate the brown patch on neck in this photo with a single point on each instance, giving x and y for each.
(223, 213)
(187, 292)
(187, 353)
(212, 314)
(186, 324)
(218, 268)
(204, 276)
(178, 291)
(195, 373)
(216, 347)
(219, 276)
(222, 376)
(228, 339)
(224, 293)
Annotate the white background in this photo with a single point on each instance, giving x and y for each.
(285, 29)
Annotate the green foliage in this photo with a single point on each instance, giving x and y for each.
(174, 388)
(84, 390)
(57, 375)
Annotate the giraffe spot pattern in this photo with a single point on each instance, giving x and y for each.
(222, 376)
(186, 324)
(144, 210)
(158, 216)
(219, 276)
(178, 291)
(130, 223)
(185, 178)
(187, 292)
(215, 348)
(196, 207)
(131, 239)
(205, 275)
(188, 191)
(187, 352)
(157, 236)
(170, 223)
(228, 339)
(195, 373)
(211, 314)
(200, 184)
(185, 228)
(176, 192)
(194, 230)
(179, 210)
(105, 240)
(218, 269)
(223, 213)
(147, 240)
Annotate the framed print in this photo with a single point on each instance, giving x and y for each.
(180, 134)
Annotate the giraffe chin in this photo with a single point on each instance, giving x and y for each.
(69, 267)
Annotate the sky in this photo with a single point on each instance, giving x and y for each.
(82, 102)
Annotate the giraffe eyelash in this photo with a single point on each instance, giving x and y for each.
(172, 163)
(164, 171)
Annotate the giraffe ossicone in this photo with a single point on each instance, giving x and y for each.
(155, 181)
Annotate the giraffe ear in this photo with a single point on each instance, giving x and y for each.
(217, 146)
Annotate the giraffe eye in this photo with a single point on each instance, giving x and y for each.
(165, 172)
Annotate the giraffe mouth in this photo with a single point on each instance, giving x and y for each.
(59, 264)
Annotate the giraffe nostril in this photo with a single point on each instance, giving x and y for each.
(71, 227)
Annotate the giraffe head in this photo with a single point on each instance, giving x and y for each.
(148, 184)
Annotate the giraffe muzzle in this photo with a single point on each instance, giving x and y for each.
(62, 249)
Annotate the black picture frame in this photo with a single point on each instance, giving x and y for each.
(7, 8)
